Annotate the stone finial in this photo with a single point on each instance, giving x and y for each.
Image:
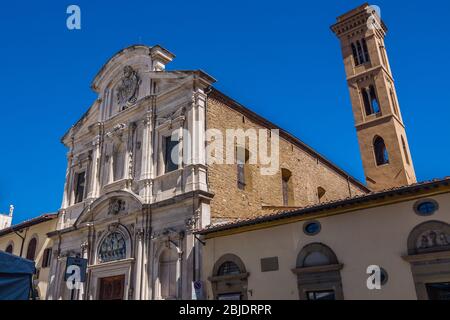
(11, 210)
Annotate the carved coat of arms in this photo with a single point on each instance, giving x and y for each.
(128, 88)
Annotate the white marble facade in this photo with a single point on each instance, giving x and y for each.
(122, 209)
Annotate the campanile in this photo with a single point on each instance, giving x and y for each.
(381, 133)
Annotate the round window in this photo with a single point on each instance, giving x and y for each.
(384, 276)
(311, 228)
(426, 207)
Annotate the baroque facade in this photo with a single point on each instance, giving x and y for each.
(130, 209)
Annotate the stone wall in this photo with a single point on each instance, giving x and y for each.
(264, 194)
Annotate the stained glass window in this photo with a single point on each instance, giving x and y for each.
(112, 248)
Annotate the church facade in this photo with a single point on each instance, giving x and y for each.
(140, 180)
(147, 188)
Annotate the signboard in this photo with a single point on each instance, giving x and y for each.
(229, 296)
(72, 264)
(197, 290)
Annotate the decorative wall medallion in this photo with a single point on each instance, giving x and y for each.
(116, 206)
(128, 89)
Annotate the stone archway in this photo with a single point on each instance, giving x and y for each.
(429, 258)
(318, 273)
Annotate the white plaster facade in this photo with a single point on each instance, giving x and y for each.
(118, 147)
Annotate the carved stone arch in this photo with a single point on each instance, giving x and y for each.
(313, 248)
(318, 273)
(115, 228)
(429, 257)
(102, 205)
(232, 285)
(430, 236)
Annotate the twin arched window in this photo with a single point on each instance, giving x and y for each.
(381, 154)
(370, 100)
(360, 52)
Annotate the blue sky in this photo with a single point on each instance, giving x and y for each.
(278, 58)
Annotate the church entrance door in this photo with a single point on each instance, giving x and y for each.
(112, 288)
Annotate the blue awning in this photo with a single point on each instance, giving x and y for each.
(15, 277)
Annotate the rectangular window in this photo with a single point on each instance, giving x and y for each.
(321, 295)
(170, 154)
(80, 181)
(46, 258)
(438, 291)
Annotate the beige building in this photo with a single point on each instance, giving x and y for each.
(392, 243)
(324, 251)
(29, 240)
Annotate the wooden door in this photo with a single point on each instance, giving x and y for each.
(112, 288)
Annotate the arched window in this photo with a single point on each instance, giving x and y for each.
(31, 250)
(112, 248)
(229, 278)
(360, 52)
(321, 193)
(370, 100)
(318, 273)
(365, 50)
(405, 150)
(10, 248)
(374, 100)
(381, 154)
(228, 268)
(286, 186)
(355, 55)
(167, 274)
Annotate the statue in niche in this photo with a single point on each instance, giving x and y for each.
(128, 88)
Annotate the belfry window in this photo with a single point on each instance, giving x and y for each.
(80, 182)
(370, 100)
(381, 154)
(360, 52)
(365, 51)
(355, 55)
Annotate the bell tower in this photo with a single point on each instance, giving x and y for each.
(381, 133)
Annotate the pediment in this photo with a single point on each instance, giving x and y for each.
(110, 206)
